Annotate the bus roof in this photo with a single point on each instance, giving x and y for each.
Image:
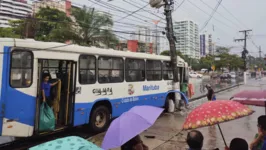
(72, 48)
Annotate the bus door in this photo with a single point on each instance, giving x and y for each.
(62, 94)
(18, 93)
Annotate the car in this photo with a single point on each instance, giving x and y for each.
(233, 74)
(195, 75)
(225, 76)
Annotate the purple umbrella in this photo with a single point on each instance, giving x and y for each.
(130, 124)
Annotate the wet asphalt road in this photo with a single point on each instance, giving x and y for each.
(168, 134)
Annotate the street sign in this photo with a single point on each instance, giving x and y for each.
(213, 68)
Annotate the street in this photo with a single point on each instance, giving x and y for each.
(168, 134)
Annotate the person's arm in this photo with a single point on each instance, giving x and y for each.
(53, 84)
(138, 146)
(256, 141)
(212, 95)
(43, 93)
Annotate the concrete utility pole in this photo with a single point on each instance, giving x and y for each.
(170, 36)
(245, 51)
(260, 52)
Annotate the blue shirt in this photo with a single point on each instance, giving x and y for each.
(264, 144)
(46, 87)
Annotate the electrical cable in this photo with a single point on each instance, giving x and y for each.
(219, 13)
(132, 13)
(213, 12)
(144, 9)
(209, 15)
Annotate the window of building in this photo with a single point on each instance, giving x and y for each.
(87, 69)
(110, 70)
(167, 71)
(153, 70)
(135, 70)
(21, 69)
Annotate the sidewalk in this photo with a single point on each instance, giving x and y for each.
(169, 125)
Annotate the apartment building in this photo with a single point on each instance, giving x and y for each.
(13, 10)
(187, 38)
(64, 6)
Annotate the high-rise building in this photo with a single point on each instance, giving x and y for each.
(187, 38)
(64, 6)
(13, 10)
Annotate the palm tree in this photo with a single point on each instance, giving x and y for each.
(91, 27)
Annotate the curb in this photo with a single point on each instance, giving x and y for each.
(221, 90)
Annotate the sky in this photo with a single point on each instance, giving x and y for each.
(230, 17)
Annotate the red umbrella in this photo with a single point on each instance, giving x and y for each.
(215, 112)
(256, 98)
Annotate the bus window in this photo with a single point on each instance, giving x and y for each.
(154, 70)
(21, 69)
(87, 69)
(167, 71)
(135, 70)
(110, 70)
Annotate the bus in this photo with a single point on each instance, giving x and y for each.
(96, 84)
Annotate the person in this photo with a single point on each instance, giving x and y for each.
(262, 126)
(134, 144)
(210, 94)
(46, 87)
(257, 143)
(238, 144)
(195, 140)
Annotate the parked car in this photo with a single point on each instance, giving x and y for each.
(195, 75)
(225, 76)
(233, 74)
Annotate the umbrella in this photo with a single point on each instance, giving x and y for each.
(130, 124)
(67, 143)
(215, 112)
(256, 98)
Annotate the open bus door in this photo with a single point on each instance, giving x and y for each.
(62, 94)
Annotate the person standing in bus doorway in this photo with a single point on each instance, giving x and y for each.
(46, 90)
(210, 94)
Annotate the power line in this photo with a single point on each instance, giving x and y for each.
(233, 16)
(119, 9)
(116, 9)
(89, 27)
(109, 13)
(144, 9)
(209, 14)
(219, 12)
(179, 5)
(132, 13)
(213, 12)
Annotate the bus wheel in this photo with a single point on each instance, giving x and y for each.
(100, 119)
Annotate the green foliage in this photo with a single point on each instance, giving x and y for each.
(167, 53)
(54, 25)
(8, 32)
(226, 60)
(90, 23)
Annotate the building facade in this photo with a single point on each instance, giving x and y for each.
(64, 6)
(13, 10)
(187, 38)
(207, 46)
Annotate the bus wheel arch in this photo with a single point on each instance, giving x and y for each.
(100, 116)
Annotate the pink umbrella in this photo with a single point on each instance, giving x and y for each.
(256, 98)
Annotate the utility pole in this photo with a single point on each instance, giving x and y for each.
(245, 51)
(170, 36)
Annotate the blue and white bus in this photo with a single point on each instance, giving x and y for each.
(96, 84)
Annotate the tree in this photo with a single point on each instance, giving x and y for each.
(167, 53)
(221, 50)
(53, 25)
(8, 32)
(91, 27)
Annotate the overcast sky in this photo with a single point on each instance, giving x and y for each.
(250, 14)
